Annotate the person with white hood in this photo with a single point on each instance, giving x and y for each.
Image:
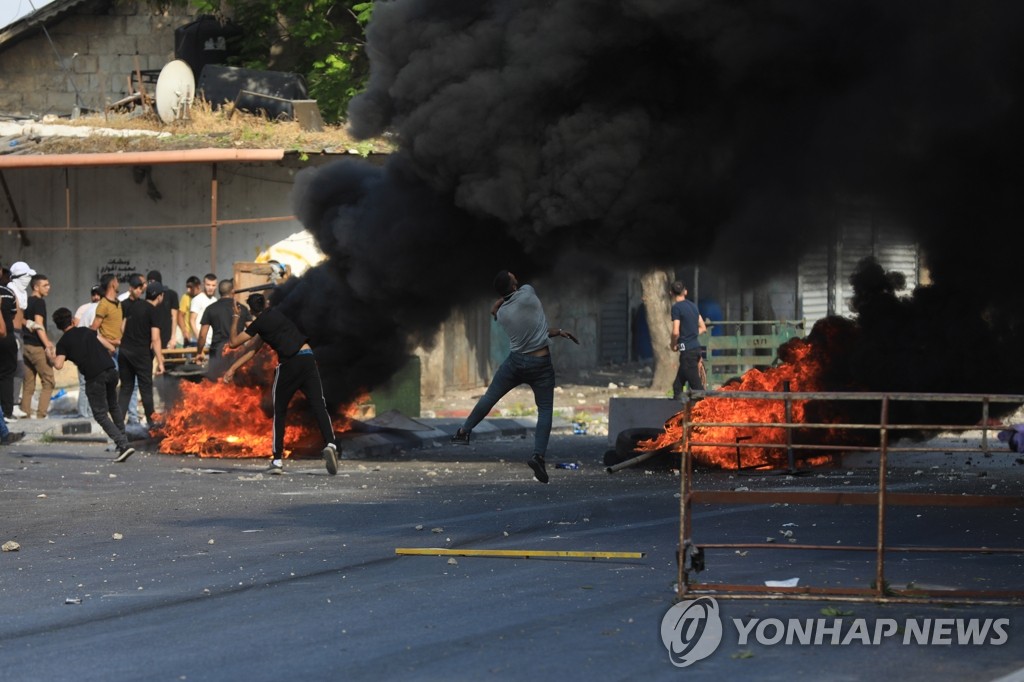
(21, 277)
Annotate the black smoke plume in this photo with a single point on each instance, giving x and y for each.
(560, 138)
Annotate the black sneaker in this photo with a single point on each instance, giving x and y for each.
(12, 437)
(537, 464)
(461, 437)
(125, 454)
(275, 469)
(331, 458)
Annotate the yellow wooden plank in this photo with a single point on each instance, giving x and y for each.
(516, 553)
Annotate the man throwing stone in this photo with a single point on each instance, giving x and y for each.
(92, 353)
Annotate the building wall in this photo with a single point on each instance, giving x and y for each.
(123, 218)
(862, 230)
(111, 40)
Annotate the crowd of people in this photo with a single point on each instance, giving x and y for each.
(117, 341)
(121, 345)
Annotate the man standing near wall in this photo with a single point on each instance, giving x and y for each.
(687, 323)
(188, 334)
(8, 344)
(199, 304)
(140, 344)
(21, 275)
(6, 436)
(37, 349)
(109, 316)
(167, 312)
(223, 318)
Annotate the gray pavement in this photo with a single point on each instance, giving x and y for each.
(172, 567)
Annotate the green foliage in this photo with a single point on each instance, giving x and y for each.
(321, 39)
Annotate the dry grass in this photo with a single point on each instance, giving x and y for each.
(208, 128)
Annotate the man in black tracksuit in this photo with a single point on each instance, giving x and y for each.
(140, 343)
(8, 346)
(297, 371)
(92, 353)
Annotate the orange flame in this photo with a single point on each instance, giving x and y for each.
(215, 419)
(802, 371)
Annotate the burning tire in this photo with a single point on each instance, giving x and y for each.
(626, 447)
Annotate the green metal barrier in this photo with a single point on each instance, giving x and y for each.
(735, 352)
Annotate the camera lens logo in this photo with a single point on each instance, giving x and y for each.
(691, 631)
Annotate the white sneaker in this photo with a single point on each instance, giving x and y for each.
(330, 454)
(18, 413)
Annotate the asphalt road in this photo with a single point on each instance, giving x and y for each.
(189, 569)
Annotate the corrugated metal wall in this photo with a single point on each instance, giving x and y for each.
(614, 327)
(824, 274)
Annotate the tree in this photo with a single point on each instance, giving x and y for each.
(320, 39)
(654, 284)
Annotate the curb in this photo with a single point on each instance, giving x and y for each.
(380, 442)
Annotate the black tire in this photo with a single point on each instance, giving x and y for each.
(626, 446)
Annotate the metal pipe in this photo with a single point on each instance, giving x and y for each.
(984, 422)
(213, 219)
(67, 200)
(685, 481)
(853, 395)
(789, 422)
(849, 595)
(854, 499)
(223, 222)
(142, 158)
(516, 553)
(883, 464)
(861, 548)
(611, 470)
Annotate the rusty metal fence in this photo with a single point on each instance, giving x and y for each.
(692, 555)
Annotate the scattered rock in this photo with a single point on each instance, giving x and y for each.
(11, 546)
(118, 536)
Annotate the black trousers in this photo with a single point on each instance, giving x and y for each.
(132, 364)
(8, 368)
(299, 373)
(102, 393)
(689, 372)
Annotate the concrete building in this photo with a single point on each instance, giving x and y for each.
(79, 54)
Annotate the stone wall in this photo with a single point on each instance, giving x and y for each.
(98, 48)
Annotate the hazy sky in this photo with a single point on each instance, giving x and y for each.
(12, 10)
